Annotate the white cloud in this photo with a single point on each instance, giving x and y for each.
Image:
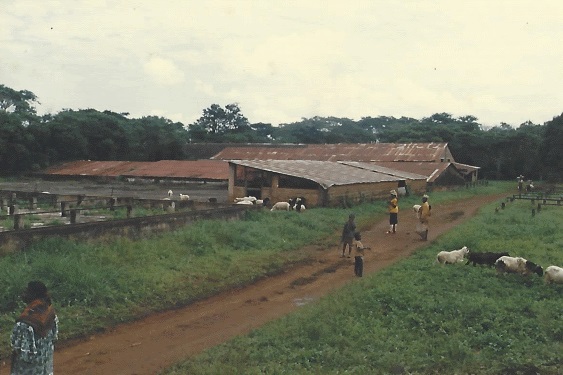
(163, 71)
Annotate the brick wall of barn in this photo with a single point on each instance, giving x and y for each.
(344, 195)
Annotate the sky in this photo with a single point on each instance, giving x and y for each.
(281, 61)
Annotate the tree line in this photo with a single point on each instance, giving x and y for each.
(30, 143)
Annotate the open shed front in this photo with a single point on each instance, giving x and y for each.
(325, 184)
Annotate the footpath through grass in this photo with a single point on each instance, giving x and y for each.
(417, 317)
(95, 286)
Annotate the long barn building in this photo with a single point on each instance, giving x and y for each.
(321, 183)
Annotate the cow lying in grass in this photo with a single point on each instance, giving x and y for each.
(485, 258)
(507, 264)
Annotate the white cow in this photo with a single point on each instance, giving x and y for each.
(450, 257)
(553, 274)
(281, 206)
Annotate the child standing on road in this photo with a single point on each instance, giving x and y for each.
(393, 207)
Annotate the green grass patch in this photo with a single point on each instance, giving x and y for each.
(95, 286)
(418, 317)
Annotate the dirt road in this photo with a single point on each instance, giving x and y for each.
(154, 343)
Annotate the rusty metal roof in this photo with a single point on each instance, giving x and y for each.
(430, 170)
(325, 173)
(386, 170)
(92, 168)
(365, 152)
(197, 169)
(184, 169)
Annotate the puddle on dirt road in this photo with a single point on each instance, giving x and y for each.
(303, 301)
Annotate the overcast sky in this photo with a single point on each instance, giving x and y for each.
(501, 61)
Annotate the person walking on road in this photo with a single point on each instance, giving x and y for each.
(393, 208)
(348, 235)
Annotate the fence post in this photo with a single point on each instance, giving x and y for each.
(18, 222)
(33, 203)
(112, 203)
(73, 215)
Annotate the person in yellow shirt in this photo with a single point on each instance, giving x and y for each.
(393, 208)
(424, 216)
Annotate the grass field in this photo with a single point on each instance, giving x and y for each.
(418, 317)
(95, 286)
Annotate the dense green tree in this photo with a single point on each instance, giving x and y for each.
(16, 143)
(551, 149)
(156, 138)
(103, 132)
(264, 132)
(19, 102)
(325, 130)
(220, 124)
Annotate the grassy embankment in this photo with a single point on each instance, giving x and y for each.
(99, 285)
(417, 317)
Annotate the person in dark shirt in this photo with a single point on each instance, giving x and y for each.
(348, 235)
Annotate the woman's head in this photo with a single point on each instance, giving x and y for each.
(35, 290)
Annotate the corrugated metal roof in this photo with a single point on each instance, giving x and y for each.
(184, 169)
(198, 169)
(430, 170)
(93, 168)
(325, 173)
(385, 170)
(464, 168)
(365, 152)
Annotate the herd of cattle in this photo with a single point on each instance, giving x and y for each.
(503, 262)
(295, 204)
